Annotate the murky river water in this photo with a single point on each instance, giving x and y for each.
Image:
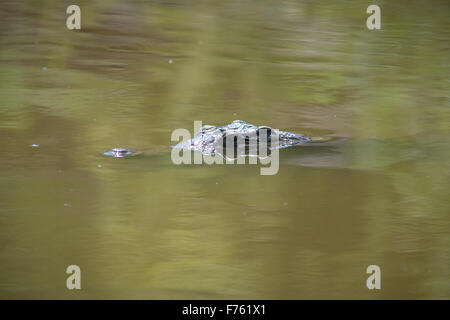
(142, 227)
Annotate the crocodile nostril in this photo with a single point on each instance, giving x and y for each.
(118, 152)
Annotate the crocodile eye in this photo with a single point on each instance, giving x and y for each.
(265, 131)
(207, 128)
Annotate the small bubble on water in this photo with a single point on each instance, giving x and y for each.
(99, 165)
(44, 68)
(170, 61)
(234, 114)
(35, 145)
(67, 205)
(217, 183)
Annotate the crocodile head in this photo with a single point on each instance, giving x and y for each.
(250, 138)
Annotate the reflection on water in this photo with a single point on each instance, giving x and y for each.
(141, 227)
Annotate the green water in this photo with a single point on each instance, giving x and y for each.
(144, 228)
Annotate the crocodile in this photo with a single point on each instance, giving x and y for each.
(213, 140)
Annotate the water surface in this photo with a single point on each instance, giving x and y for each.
(144, 228)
